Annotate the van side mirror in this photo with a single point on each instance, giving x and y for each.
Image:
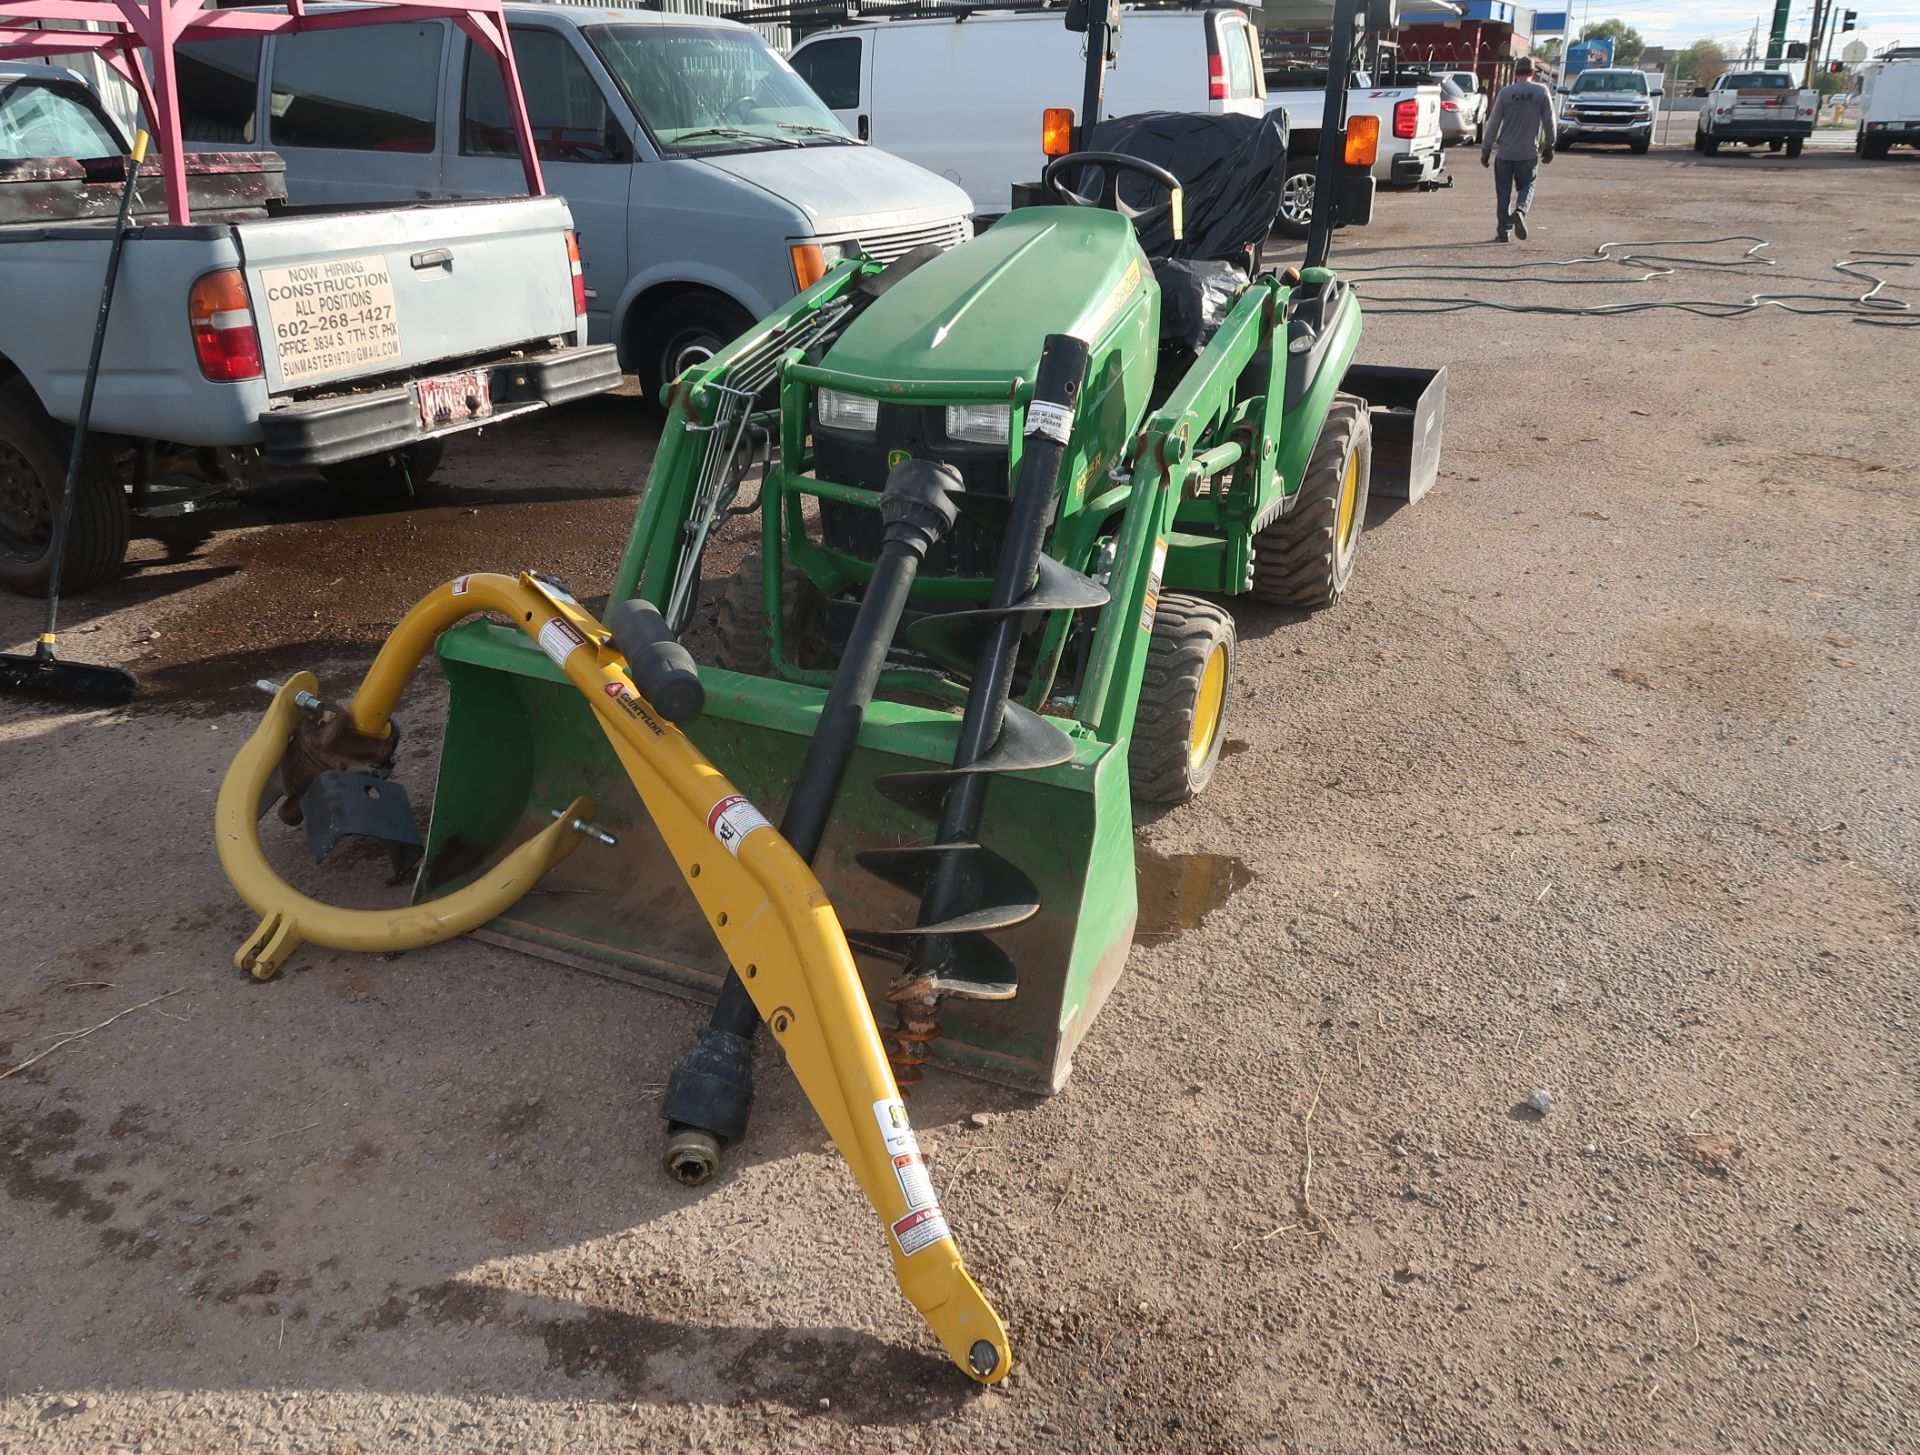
(1077, 18)
(1563, 91)
(1659, 91)
(1699, 90)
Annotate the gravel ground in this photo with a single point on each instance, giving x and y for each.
(1603, 783)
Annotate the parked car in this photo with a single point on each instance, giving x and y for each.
(1756, 108)
(1474, 102)
(707, 181)
(1462, 114)
(963, 94)
(351, 340)
(1609, 104)
(1411, 142)
(1889, 103)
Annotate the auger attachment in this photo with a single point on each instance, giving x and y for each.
(966, 891)
(754, 893)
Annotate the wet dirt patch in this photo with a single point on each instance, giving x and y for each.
(326, 592)
(1178, 891)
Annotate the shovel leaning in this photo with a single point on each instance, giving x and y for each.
(43, 673)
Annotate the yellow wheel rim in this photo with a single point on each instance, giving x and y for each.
(1208, 706)
(1349, 496)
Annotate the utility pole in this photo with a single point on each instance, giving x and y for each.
(1821, 10)
(1753, 44)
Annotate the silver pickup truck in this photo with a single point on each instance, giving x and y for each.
(351, 340)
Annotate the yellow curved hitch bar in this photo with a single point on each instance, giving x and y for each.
(766, 908)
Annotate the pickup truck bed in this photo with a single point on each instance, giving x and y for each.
(346, 306)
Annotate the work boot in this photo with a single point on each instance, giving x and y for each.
(1499, 237)
(1520, 225)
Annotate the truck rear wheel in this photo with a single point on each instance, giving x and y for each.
(1296, 198)
(1306, 558)
(1181, 722)
(1795, 144)
(33, 465)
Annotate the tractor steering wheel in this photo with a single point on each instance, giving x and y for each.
(1110, 165)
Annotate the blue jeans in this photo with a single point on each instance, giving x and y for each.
(1509, 179)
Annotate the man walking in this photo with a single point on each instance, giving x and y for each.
(1522, 126)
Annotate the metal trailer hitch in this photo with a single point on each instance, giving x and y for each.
(757, 895)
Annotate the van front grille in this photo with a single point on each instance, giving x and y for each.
(887, 246)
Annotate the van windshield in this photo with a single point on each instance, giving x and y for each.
(707, 89)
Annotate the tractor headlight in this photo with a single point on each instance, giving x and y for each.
(979, 424)
(852, 412)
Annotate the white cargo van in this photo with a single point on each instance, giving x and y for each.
(963, 96)
(1889, 103)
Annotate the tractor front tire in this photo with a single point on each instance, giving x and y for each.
(33, 470)
(740, 620)
(1181, 724)
(1306, 558)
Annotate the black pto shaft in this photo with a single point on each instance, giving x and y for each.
(710, 1094)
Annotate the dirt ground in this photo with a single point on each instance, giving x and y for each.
(1602, 783)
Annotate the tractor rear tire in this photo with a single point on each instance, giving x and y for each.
(33, 469)
(1306, 558)
(740, 620)
(1181, 724)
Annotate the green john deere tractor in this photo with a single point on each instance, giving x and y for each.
(1003, 504)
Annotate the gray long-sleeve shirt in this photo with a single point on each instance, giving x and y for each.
(1521, 123)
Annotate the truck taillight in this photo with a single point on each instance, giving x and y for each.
(224, 338)
(1406, 118)
(1449, 105)
(1216, 78)
(579, 278)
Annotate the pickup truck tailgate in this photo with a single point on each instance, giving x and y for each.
(354, 294)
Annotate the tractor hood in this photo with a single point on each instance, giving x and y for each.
(982, 311)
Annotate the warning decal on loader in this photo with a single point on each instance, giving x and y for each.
(922, 1229)
(559, 641)
(1152, 604)
(924, 1223)
(732, 819)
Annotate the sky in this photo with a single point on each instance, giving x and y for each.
(1730, 21)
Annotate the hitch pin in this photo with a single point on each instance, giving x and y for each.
(305, 701)
(587, 830)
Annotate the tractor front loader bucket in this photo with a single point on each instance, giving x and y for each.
(518, 734)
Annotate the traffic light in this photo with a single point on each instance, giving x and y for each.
(1847, 19)
(1834, 68)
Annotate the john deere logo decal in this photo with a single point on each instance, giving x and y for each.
(897, 457)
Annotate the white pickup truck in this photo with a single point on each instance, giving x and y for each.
(351, 340)
(1756, 108)
(1411, 152)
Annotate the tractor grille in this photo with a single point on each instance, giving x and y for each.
(887, 246)
(915, 431)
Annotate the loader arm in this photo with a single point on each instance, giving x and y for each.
(759, 897)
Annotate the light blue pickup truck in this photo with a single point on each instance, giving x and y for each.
(348, 339)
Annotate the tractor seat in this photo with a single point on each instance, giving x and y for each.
(1231, 169)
